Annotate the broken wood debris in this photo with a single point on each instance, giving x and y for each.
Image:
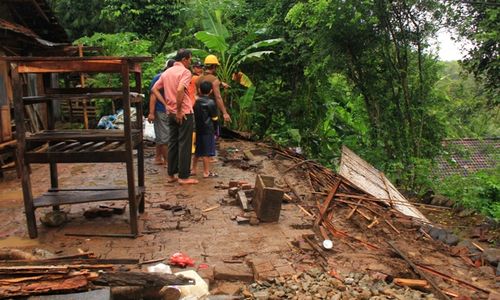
(74, 273)
(435, 287)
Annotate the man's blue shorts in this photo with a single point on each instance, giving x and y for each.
(205, 145)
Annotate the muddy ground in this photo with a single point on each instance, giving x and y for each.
(231, 255)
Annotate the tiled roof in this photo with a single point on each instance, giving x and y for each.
(465, 156)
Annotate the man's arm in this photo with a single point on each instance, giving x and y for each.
(152, 107)
(179, 96)
(219, 102)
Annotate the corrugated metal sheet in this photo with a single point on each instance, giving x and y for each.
(373, 182)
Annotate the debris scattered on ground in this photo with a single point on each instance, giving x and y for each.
(54, 218)
(315, 284)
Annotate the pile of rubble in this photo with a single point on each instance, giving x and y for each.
(315, 284)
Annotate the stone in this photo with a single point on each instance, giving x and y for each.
(54, 218)
(436, 233)
(349, 280)
(261, 295)
(467, 212)
(498, 270)
(233, 272)
(492, 255)
(254, 221)
(451, 239)
(439, 200)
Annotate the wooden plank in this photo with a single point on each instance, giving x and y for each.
(80, 135)
(43, 286)
(326, 204)
(109, 147)
(73, 197)
(79, 262)
(90, 188)
(61, 59)
(81, 96)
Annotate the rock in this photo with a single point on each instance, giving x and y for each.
(349, 280)
(451, 239)
(439, 200)
(492, 255)
(365, 294)
(254, 221)
(261, 295)
(467, 212)
(279, 293)
(336, 296)
(498, 270)
(436, 233)
(54, 218)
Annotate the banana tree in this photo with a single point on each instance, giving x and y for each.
(215, 37)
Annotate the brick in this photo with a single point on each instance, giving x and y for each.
(262, 269)
(285, 271)
(233, 272)
(207, 274)
(267, 275)
(246, 186)
(233, 183)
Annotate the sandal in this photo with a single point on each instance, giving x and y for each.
(211, 175)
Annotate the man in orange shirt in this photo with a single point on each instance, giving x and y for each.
(211, 63)
(175, 83)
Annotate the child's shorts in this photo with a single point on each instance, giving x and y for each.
(205, 145)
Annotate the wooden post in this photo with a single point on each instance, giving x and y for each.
(140, 146)
(54, 182)
(128, 148)
(21, 148)
(82, 84)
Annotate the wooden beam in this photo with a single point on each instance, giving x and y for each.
(40, 10)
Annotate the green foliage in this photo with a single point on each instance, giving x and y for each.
(469, 110)
(353, 73)
(120, 44)
(479, 191)
(231, 57)
(477, 22)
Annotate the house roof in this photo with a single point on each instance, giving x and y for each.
(37, 16)
(465, 156)
(28, 26)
